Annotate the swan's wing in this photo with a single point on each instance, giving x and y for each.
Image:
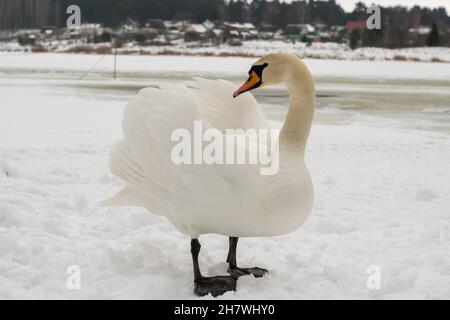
(141, 158)
(216, 103)
(144, 158)
(140, 190)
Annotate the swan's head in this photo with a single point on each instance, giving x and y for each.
(270, 69)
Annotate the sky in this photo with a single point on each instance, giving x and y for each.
(348, 5)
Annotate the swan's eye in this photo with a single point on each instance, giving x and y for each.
(258, 69)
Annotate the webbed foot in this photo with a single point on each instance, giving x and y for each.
(217, 285)
(239, 272)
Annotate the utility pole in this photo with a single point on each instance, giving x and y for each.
(114, 45)
(115, 63)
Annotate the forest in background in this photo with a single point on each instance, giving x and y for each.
(396, 21)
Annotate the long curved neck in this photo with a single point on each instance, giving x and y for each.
(296, 128)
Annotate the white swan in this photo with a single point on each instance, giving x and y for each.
(231, 200)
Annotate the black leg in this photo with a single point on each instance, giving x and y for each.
(234, 270)
(195, 250)
(215, 286)
(231, 259)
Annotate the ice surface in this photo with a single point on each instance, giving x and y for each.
(81, 66)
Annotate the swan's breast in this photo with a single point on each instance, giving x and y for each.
(289, 199)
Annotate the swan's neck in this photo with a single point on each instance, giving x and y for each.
(296, 128)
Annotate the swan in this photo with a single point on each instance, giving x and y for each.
(230, 200)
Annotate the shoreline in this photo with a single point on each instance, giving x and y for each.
(249, 49)
(219, 55)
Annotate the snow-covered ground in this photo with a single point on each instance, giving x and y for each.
(91, 66)
(327, 50)
(382, 187)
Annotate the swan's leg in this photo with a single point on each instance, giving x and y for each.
(204, 285)
(234, 270)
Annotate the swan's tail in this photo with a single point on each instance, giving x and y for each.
(140, 191)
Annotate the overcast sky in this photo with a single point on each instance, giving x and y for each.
(348, 5)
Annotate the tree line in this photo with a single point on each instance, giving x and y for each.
(396, 21)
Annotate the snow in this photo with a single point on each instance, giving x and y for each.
(330, 50)
(199, 28)
(382, 197)
(256, 48)
(76, 66)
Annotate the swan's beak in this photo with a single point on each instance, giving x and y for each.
(252, 82)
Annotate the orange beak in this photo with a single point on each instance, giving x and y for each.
(251, 83)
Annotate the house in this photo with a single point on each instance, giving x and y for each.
(217, 36)
(250, 31)
(266, 27)
(147, 33)
(320, 27)
(244, 31)
(195, 32)
(156, 24)
(48, 30)
(126, 33)
(279, 35)
(355, 32)
(234, 42)
(324, 36)
(27, 36)
(337, 33)
(174, 30)
(299, 32)
(418, 36)
(267, 31)
(86, 32)
(209, 25)
(356, 25)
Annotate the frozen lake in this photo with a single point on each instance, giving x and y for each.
(404, 94)
(378, 156)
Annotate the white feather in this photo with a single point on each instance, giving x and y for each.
(200, 198)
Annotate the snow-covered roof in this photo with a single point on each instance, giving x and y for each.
(27, 31)
(90, 25)
(420, 30)
(199, 28)
(303, 27)
(248, 25)
(208, 25)
(309, 28)
(356, 25)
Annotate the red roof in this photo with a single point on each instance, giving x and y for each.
(352, 25)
